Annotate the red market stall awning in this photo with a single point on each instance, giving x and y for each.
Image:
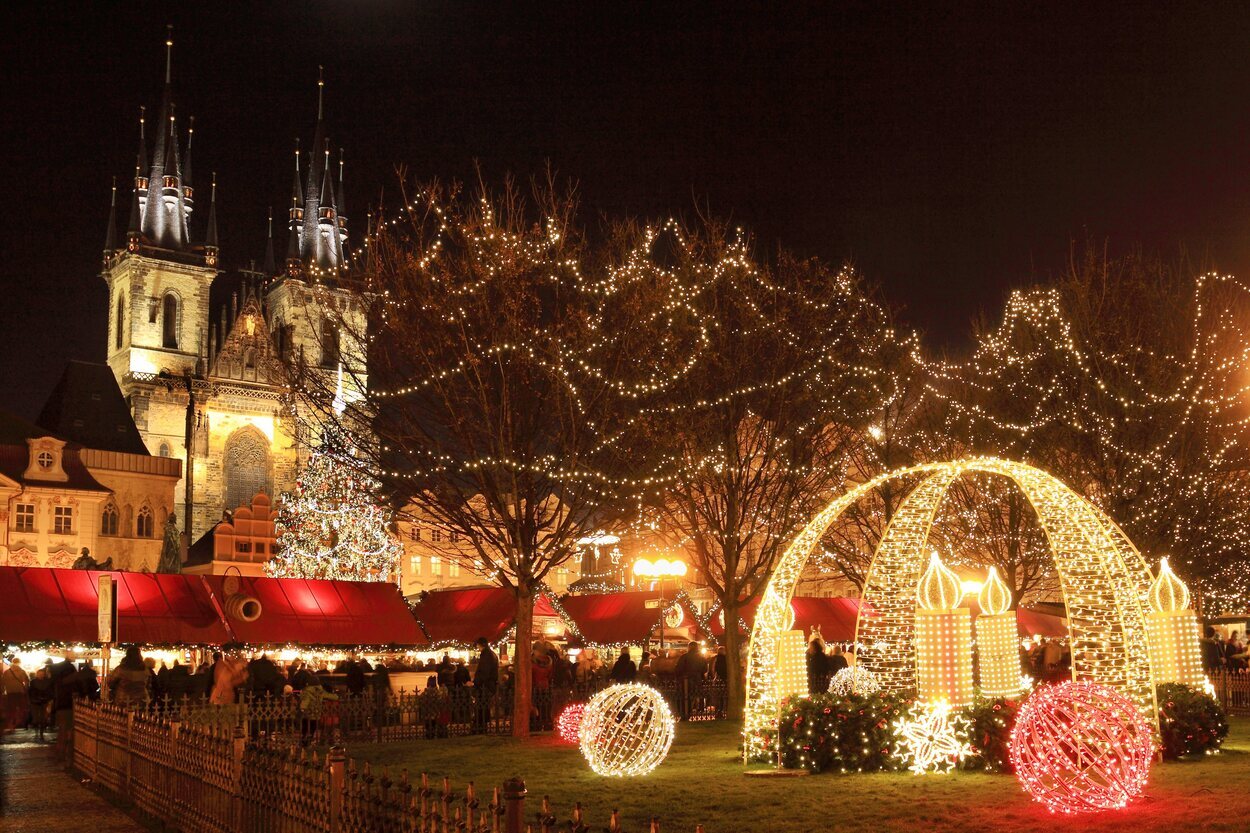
(1033, 621)
(40, 604)
(318, 612)
(464, 615)
(835, 617)
(617, 618)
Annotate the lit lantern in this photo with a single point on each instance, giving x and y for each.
(1080, 747)
(626, 730)
(1172, 632)
(943, 638)
(998, 657)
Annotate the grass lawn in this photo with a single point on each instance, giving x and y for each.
(702, 781)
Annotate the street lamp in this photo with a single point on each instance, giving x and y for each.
(660, 570)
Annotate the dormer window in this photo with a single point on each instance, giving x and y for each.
(45, 460)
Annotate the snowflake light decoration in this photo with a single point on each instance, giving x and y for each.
(570, 721)
(932, 738)
(854, 679)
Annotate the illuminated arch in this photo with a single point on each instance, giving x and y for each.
(1103, 578)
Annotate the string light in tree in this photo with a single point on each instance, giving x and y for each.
(854, 680)
(626, 730)
(931, 737)
(1080, 747)
(332, 526)
(998, 657)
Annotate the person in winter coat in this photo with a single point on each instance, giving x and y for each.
(624, 670)
(15, 683)
(228, 675)
(40, 696)
(128, 682)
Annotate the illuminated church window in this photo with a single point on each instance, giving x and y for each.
(246, 467)
(169, 325)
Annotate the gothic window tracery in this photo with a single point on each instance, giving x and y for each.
(144, 525)
(245, 467)
(108, 519)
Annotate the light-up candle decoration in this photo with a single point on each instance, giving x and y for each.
(791, 660)
(1172, 631)
(998, 657)
(943, 638)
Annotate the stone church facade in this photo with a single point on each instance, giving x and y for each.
(212, 387)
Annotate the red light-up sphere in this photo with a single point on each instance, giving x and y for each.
(569, 722)
(1081, 747)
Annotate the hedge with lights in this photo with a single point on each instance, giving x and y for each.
(1190, 721)
(989, 733)
(850, 733)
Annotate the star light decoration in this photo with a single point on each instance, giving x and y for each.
(1080, 747)
(626, 730)
(931, 737)
(1104, 580)
(854, 680)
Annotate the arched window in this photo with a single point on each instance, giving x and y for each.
(108, 520)
(169, 323)
(144, 526)
(121, 319)
(164, 451)
(245, 467)
(329, 343)
(249, 364)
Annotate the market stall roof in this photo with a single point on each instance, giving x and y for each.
(462, 615)
(318, 612)
(39, 604)
(617, 618)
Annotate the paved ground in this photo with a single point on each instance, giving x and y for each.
(38, 796)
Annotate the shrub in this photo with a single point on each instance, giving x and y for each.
(1190, 721)
(990, 722)
(849, 733)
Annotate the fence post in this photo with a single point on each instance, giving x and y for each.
(239, 739)
(170, 775)
(337, 764)
(130, 731)
(514, 805)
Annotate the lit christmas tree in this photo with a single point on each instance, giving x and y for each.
(331, 526)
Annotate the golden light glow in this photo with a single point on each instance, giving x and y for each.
(1168, 594)
(940, 588)
(944, 656)
(791, 664)
(626, 730)
(1173, 632)
(995, 596)
(1103, 578)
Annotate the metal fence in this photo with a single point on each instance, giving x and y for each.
(1232, 691)
(212, 779)
(381, 716)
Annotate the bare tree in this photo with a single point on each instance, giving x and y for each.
(759, 432)
(506, 361)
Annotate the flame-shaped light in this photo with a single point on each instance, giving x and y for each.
(995, 595)
(939, 586)
(1168, 594)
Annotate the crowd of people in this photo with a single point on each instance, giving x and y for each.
(44, 700)
(1231, 654)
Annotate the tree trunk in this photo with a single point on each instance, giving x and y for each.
(735, 687)
(522, 679)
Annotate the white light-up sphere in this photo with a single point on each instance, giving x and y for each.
(854, 680)
(626, 730)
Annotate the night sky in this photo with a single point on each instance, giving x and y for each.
(951, 155)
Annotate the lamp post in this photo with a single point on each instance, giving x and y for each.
(660, 570)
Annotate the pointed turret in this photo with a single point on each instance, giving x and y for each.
(166, 210)
(140, 193)
(110, 234)
(210, 239)
(269, 266)
(296, 222)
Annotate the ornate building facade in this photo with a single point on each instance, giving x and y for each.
(213, 390)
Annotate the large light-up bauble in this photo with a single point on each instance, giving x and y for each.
(1080, 747)
(626, 730)
(570, 722)
(854, 680)
(932, 737)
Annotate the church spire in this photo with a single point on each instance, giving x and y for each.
(210, 239)
(166, 207)
(269, 266)
(110, 235)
